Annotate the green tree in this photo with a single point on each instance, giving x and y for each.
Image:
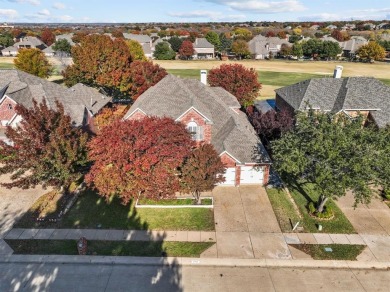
(334, 153)
(371, 51)
(330, 49)
(241, 49)
(175, 43)
(136, 51)
(62, 45)
(213, 38)
(312, 47)
(201, 171)
(6, 40)
(297, 50)
(383, 158)
(226, 44)
(33, 61)
(242, 33)
(164, 51)
(285, 50)
(48, 149)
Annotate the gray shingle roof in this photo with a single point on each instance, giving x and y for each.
(202, 43)
(24, 87)
(230, 131)
(336, 94)
(141, 38)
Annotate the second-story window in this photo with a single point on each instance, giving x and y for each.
(195, 131)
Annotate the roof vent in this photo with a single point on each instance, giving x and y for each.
(203, 76)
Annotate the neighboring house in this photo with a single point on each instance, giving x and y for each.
(10, 51)
(261, 47)
(383, 25)
(203, 49)
(350, 96)
(329, 38)
(67, 37)
(212, 115)
(351, 46)
(144, 40)
(49, 52)
(16, 87)
(314, 27)
(349, 26)
(331, 27)
(369, 25)
(31, 42)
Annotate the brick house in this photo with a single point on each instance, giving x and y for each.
(350, 96)
(16, 87)
(212, 115)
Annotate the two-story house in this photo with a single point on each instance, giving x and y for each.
(211, 115)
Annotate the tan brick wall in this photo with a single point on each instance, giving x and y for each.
(138, 115)
(6, 113)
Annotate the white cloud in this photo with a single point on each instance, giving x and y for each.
(44, 12)
(205, 14)
(257, 6)
(373, 10)
(322, 17)
(59, 6)
(8, 13)
(32, 2)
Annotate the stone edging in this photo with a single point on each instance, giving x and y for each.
(178, 206)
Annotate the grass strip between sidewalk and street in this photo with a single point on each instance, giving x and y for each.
(110, 248)
(175, 202)
(339, 251)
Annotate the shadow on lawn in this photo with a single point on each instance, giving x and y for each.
(93, 212)
(294, 185)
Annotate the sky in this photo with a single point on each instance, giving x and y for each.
(130, 11)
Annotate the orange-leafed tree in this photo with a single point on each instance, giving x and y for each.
(201, 171)
(144, 74)
(238, 80)
(186, 50)
(48, 37)
(139, 158)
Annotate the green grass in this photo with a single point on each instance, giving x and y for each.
(174, 202)
(111, 248)
(91, 211)
(302, 195)
(283, 209)
(265, 77)
(6, 66)
(385, 81)
(339, 251)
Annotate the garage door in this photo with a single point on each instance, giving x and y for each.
(251, 175)
(230, 177)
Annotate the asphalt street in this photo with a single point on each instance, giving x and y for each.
(108, 277)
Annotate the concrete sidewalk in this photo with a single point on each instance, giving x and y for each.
(244, 245)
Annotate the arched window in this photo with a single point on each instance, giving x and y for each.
(195, 131)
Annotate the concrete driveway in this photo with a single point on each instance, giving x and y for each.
(245, 224)
(14, 203)
(373, 219)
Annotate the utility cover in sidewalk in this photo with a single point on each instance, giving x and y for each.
(328, 249)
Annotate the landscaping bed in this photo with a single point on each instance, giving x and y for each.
(92, 211)
(111, 248)
(338, 251)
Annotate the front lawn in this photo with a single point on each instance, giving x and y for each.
(92, 211)
(303, 194)
(175, 202)
(283, 209)
(111, 248)
(339, 251)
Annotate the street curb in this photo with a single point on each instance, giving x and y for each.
(192, 262)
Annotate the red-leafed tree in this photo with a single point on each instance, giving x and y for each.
(186, 50)
(270, 33)
(144, 74)
(48, 37)
(202, 171)
(238, 80)
(272, 124)
(139, 158)
(47, 149)
(100, 61)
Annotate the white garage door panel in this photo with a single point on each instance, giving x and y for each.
(230, 177)
(251, 175)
